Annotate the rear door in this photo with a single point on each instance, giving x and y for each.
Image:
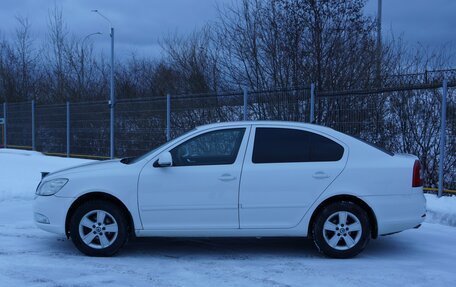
(285, 170)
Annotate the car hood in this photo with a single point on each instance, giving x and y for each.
(87, 167)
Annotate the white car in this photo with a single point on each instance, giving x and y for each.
(238, 179)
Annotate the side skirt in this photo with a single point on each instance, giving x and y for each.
(223, 233)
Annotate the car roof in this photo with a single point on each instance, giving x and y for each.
(267, 123)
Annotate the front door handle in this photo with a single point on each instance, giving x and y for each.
(227, 177)
(320, 175)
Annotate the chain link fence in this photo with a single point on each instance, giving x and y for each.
(188, 112)
(140, 125)
(50, 128)
(404, 119)
(19, 128)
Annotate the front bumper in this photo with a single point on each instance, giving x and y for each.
(396, 213)
(54, 209)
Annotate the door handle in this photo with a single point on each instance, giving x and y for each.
(226, 177)
(320, 175)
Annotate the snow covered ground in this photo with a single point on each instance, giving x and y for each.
(31, 257)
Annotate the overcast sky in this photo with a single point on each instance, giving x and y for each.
(139, 23)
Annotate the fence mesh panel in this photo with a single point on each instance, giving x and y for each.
(19, 125)
(89, 129)
(187, 112)
(140, 126)
(289, 105)
(50, 128)
(399, 121)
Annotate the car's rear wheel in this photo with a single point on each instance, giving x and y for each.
(98, 228)
(341, 230)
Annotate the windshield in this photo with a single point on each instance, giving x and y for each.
(131, 160)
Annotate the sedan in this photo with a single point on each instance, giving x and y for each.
(238, 179)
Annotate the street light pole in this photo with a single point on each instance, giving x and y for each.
(112, 101)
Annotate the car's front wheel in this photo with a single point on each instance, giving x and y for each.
(98, 228)
(341, 230)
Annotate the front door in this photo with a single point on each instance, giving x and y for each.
(201, 189)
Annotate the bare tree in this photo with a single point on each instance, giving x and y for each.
(27, 59)
(57, 37)
(194, 59)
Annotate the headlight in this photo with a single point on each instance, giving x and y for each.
(51, 187)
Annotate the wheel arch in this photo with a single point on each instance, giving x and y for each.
(350, 198)
(98, 196)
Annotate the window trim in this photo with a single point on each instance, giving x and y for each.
(245, 136)
(303, 129)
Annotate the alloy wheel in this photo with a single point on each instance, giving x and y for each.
(98, 229)
(342, 230)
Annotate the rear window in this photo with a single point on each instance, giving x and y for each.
(281, 145)
(374, 146)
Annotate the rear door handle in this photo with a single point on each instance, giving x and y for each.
(226, 177)
(320, 175)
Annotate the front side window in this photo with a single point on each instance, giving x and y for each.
(212, 148)
(280, 145)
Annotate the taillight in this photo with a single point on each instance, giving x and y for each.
(417, 180)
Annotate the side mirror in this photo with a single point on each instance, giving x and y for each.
(164, 160)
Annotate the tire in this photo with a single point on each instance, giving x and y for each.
(330, 233)
(99, 238)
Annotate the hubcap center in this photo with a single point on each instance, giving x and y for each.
(342, 230)
(98, 229)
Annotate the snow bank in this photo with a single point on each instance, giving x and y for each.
(441, 210)
(20, 171)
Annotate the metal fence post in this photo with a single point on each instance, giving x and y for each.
(168, 117)
(33, 125)
(111, 128)
(246, 101)
(442, 135)
(312, 103)
(68, 129)
(5, 124)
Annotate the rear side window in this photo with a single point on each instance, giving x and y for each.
(280, 145)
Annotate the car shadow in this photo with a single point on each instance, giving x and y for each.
(291, 247)
(237, 248)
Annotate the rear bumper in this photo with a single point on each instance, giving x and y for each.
(54, 209)
(396, 213)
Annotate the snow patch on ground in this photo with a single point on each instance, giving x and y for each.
(20, 171)
(441, 210)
